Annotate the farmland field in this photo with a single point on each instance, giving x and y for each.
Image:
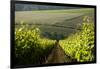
(50, 16)
(44, 19)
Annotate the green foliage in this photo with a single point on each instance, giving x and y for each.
(29, 47)
(81, 45)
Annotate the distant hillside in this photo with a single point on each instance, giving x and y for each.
(30, 7)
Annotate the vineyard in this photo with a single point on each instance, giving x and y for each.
(54, 36)
(81, 45)
(30, 48)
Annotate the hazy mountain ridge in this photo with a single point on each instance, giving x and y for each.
(30, 7)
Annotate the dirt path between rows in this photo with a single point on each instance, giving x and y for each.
(58, 55)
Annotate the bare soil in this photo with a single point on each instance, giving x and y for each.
(58, 55)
